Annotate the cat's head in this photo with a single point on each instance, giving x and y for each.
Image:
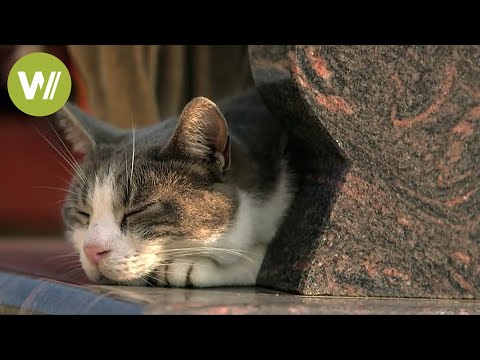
(140, 199)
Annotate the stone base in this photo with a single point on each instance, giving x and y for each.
(387, 141)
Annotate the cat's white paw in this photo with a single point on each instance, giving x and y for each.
(177, 273)
(205, 272)
(196, 272)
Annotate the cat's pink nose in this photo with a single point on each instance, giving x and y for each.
(95, 252)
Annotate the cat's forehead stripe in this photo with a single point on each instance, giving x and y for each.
(102, 197)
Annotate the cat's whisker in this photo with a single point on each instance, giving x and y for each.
(215, 257)
(157, 279)
(223, 259)
(175, 257)
(197, 253)
(56, 188)
(173, 273)
(70, 258)
(177, 262)
(63, 156)
(148, 282)
(126, 173)
(206, 247)
(206, 250)
(74, 271)
(72, 262)
(62, 256)
(74, 162)
(70, 266)
(65, 181)
(232, 252)
(68, 170)
(133, 147)
(59, 151)
(66, 268)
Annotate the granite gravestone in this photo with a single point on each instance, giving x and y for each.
(387, 141)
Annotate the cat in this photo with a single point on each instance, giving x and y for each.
(192, 201)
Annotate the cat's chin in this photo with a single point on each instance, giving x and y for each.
(133, 282)
(99, 278)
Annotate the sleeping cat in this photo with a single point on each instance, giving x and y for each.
(193, 201)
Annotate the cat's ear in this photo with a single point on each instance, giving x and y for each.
(202, 133)
(81, 130)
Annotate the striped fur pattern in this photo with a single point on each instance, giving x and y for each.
(191, 201)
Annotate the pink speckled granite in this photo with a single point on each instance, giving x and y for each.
(387, 139)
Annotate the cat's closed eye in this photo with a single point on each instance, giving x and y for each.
(158, 213)
(85, 217)
(138, 210)
(132, 213)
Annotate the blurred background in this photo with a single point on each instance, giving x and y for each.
(151, 81)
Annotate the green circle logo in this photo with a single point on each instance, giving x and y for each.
(39, 84)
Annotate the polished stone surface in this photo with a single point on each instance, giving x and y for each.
(24, 295)
(388, 144)
(36, 278)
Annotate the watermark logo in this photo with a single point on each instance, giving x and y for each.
(39, 84)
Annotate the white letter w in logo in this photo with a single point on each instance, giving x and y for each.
(30, 89)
